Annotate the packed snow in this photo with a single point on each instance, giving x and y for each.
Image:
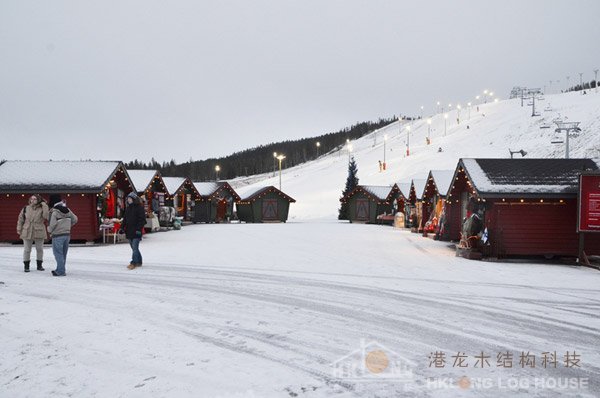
(266, 310)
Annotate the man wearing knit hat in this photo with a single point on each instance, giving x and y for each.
(62, 219)
(134, 220)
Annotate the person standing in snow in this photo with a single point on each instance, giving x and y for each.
(31, 228)
(134, 220)
(62, 220)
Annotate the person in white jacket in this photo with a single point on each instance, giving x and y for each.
(62, 220)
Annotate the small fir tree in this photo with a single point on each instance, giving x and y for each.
(351, 183)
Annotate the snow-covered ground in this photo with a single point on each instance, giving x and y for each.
(264, 310)
(489, 132)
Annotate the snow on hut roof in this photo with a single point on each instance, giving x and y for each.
(404, 188)
(141, 178)
(419, 184)
(443, 180)
(526, 176)
(379, 191)
(252, 193)
(210, 188)
(206, 188)
(173, 184)
(64, 176)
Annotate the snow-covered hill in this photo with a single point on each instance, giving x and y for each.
(489, 132)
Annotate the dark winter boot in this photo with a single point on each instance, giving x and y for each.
(26, 265)
(39, 265)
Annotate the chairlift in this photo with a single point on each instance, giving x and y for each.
(557, 141)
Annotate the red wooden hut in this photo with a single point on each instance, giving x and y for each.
(151, 187)
(404, 205)
(93, 189)
(434, 198)
(415, 199)
(182, 196)
(527, 207)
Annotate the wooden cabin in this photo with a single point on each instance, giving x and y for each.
(182, 196)
(415, 198)
(265, 204)
(525, 207)
(403, 202)
(216, 202)
(151, 187)
(434, 198)
(94, 190)
(372, 204)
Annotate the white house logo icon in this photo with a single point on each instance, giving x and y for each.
(373, 362)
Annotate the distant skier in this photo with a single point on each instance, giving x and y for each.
(62, 220)
(380, 166)
(31, 228)
(134, 220)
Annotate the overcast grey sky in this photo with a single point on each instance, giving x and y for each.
(180, 79)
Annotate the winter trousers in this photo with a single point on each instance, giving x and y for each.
(136, 256)
(60, 247)
(39, 248)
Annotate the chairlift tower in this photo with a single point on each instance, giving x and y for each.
(569, 128)
(533, 94)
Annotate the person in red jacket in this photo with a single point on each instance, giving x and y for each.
(134, 221)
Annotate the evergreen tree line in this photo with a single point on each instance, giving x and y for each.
(260, 159)
(586, 86)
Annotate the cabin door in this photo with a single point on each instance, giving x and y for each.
(269, 209)
(221, 209)
(362, 210)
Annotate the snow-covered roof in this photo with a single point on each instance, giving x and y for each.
(419, 184)
(64, 176)
(380, 192)
(254, 192)
(443, 180)
(173, 184)
(404, 188)
(210, 188)
(526, 176)
(206, 188)
(141, 178)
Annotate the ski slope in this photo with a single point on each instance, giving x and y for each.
(489, 132)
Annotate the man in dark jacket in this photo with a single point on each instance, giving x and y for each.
(134, 220)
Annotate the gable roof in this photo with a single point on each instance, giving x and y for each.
(211, 189)
(142, 178)
(256, 193)
(57, 176)
(419, 186)
(173, 184)
(379, 193)
(492, 177)
(442, 180)
(404, 188)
